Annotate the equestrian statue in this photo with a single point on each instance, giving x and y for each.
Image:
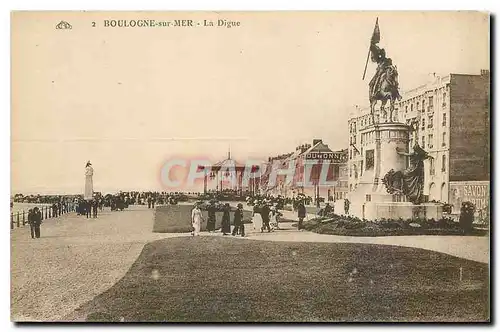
(384, 85)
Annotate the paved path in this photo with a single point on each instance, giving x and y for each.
(74, 260)
(77, 259)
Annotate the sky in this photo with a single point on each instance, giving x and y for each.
(129, 99)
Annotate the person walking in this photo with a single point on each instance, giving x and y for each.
(36, 222)
(196, 219)
(87, 209)
(264, 212)
(226, 220)
(274, 217)
(211, 217)
(347, 204)
(31, 222)
(95, 205)
(239, 226)
(301, 214)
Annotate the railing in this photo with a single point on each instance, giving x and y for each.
(21, 217)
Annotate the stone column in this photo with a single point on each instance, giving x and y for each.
(89, 185)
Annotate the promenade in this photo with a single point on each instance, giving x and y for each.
(77, 258)
(74, 260)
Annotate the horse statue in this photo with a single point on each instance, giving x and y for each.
(384, 85)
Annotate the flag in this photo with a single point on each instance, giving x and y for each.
(376, 34)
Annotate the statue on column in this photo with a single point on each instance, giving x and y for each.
(89, 186)
(409, 182)
(384, 85)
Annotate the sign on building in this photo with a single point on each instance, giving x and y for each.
(476, 192)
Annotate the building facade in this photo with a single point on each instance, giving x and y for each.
(308, 161)
(451, 121)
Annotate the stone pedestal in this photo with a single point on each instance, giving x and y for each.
(370, 199)
(404, 210)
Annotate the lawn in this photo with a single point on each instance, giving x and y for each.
(223, 279)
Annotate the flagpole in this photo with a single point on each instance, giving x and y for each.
(366, 64)
(369, 50)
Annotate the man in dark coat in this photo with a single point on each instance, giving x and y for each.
(347, 203)
(238, 221)
(301, 213)
(31, 222)
(36, 222)
(211, 217)
(88, 209)
(95, 205)
(226, 220)
(54, 210)
(264, 212)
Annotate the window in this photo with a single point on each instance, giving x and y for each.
(431, 143)
(423, 105)
(444, 140)
(431, 121)
(423, 141)
(444, 99)
(411, 108)
(423, 123)
(406, 109)
(350, 154)
(443, 164)
(361, 168)
(432, 166)
(370, 159)
(444, 119)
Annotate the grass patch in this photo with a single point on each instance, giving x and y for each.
(219, 279)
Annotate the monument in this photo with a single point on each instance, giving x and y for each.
(89, 186)
(387, 187)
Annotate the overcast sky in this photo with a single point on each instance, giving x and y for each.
(130, 98)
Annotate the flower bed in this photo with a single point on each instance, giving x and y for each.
(352, 226)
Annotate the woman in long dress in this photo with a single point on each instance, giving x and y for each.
(226, 220)
(274, 217)
(196, 219)
(257, 217)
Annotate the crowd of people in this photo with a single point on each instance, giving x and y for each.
(265, 215)
(212, 208)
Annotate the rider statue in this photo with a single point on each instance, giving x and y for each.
(384, 84)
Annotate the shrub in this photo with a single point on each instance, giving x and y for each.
(352, 226)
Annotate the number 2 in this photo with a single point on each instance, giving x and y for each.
(93, 24)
